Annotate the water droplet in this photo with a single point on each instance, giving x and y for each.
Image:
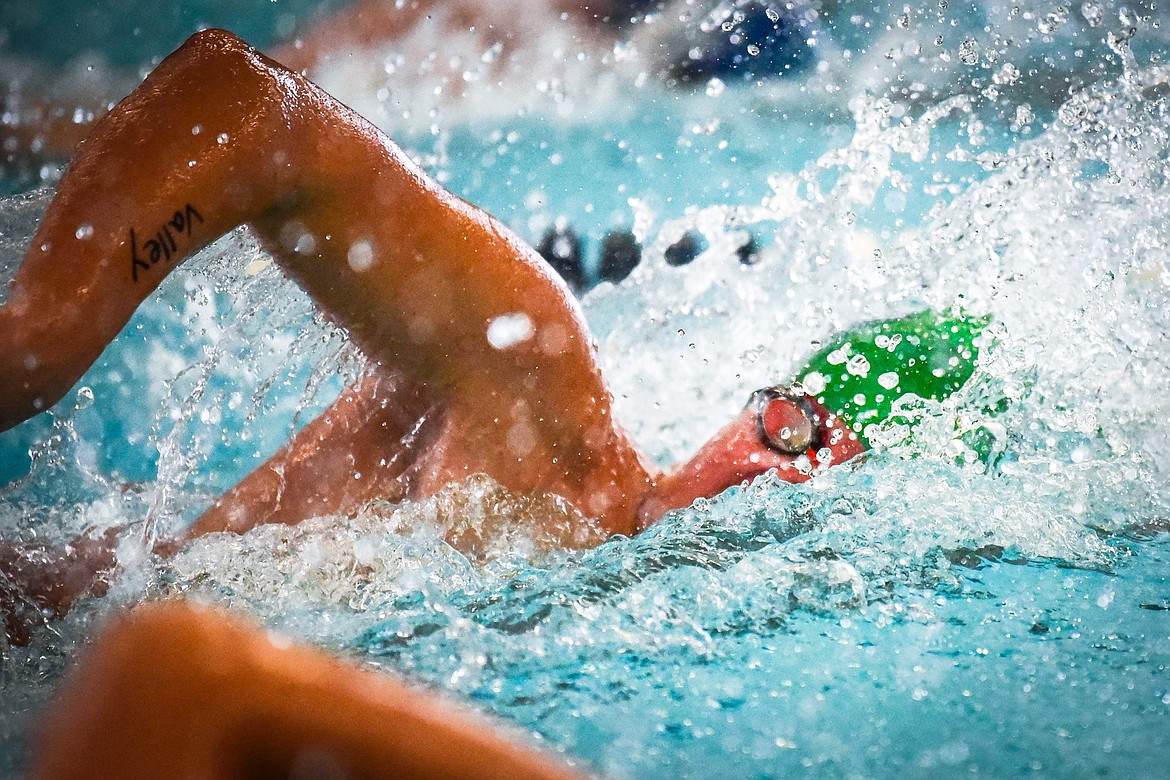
(969, 52)
(1093, 14)
(84, 231)
(858, 365)
(1008, 74)
(1052, 20)
(360, 256)
(521, 438)
(305, 244)
(814, 383)
(1024, 115)
(508, 330)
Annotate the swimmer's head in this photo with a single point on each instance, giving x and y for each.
(782, 429)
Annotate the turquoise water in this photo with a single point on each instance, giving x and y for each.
(133, 34)
(917, 613)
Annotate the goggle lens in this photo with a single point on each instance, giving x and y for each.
(787, 421)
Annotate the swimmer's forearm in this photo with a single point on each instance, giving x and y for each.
(219, 136)
(168, 171)
(364, 446)
(38, 580)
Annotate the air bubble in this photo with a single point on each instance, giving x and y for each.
(969, 52)
(84, 398)
(858, 365)
(1094, 14)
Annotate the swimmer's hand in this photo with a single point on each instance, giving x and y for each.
(39, 582)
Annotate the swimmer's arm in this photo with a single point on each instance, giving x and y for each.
(174, 166)
(172, 690)
(219, 136)
(38, 580)
(364, 446)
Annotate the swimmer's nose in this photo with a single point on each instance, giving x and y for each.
(755, 40)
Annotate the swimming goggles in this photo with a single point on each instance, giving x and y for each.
(786, 419)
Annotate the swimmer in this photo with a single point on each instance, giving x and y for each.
(479, 360)
(683, 42)
(173, 690)
(368, 45)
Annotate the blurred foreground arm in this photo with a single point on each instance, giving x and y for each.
(172, 690)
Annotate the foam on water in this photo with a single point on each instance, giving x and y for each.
(866, 622)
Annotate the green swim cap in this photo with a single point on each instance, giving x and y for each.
(863, 371)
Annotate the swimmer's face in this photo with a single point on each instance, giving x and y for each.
(781, 429)
(794, 434)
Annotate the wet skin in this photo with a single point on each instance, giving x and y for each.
(414, 275)
(171, 690)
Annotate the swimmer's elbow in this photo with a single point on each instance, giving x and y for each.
(215, 38)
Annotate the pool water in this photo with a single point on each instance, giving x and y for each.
(927, 610)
